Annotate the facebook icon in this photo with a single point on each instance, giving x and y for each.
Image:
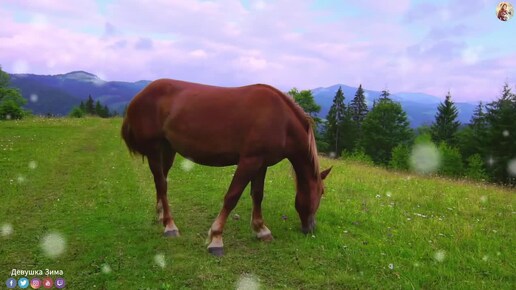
(11, 283)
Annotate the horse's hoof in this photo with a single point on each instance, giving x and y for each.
(266, 238)
(172, 233)
(216, 251)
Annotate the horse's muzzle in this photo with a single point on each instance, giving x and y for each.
(310, 227)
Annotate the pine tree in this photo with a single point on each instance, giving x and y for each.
(358, 107)
(82, 106)
(98, 109)
(471, 140)
(385, 95)
(385, 127)
(90, 107)
(445, 125)
(501, 136)
(105, 112)
(334, 119)
(358, 110)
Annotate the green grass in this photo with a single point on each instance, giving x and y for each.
(376, 229)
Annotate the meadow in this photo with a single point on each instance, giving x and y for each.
(72, 199)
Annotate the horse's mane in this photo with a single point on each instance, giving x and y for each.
(309, 123)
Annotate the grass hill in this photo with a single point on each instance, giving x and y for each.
(73, 200)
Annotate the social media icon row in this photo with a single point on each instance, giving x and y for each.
(35, 283)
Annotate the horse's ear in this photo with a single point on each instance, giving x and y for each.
(325, 173)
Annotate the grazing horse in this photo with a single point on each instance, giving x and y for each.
(252, 127)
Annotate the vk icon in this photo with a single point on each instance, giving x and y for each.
(23, 283)
(11, 283)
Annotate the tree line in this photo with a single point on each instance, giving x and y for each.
(484, 149)
(12, 102)
(92, 108)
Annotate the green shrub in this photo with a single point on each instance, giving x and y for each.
(400, 157)
(76, 113)
(359, 156)
(451, 161)
(9, 109)
(475, 169)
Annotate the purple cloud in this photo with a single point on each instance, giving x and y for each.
(410, 47)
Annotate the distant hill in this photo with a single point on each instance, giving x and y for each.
(57, 94)
(420, 108)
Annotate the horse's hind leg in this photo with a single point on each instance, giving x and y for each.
(159, 165)
(167, 159)
(247, 168)
(262, 232)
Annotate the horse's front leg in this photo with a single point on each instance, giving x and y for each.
(257, 224)
(247, 168)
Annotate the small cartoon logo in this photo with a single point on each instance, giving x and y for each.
(35, 283)
(48, 282)
(11, 283)
(60, 283)
(504, 11)
(23, 283)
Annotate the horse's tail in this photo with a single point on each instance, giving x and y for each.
(128, 136)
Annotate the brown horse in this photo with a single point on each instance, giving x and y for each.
(252, 127)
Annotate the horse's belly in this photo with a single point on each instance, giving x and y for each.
(220, 159)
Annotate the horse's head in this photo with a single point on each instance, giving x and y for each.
(307, 214)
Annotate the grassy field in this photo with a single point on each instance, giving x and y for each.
(74, 179)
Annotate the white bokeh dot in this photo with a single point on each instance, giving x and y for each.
(187, 165)
(33, 164)
(511, 167)
(159, 259)
(20, 179)
(247, 282)
(440, 255)
(34, 98)
(106, 269)
(7, 230)
(425, 158)
(53, 244)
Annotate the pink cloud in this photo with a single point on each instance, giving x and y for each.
(285, 43)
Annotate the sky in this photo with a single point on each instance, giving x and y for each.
(404, 46)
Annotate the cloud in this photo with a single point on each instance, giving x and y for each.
(285, 43)
(144, 43)
(198, 53)
(109, 30)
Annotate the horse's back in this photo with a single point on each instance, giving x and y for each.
(213, 125)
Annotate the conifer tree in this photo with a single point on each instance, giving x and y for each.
(501, 136)
(385, 95)
(90, 106)
(445, 125)
(472, 139)
(98, 109)
(105, 112)
(358, 107)
(334, 119)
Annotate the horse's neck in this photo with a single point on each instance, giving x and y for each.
(305, 174)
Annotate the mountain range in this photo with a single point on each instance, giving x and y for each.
(57, 94)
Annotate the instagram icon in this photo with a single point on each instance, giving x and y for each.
(35, 283)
